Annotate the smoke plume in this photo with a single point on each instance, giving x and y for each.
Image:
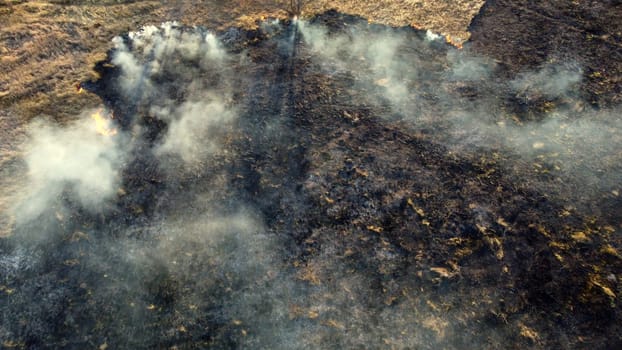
(74, 158)
(227, 212)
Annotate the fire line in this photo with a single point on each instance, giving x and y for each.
(102, 124)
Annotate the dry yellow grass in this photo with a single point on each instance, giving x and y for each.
(48, 47)
(449, 17)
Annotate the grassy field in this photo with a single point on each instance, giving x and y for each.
(46, 48)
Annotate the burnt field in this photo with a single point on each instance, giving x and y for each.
(325, 183)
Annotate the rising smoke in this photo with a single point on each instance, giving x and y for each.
(469, 93)
(206, 265)
(74, 158)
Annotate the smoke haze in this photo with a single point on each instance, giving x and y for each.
(207, 221)
(74, 157)
(464, 91)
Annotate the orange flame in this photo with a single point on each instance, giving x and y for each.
(451, 41)
(102, 124)
(417, 26)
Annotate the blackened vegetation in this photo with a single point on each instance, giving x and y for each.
(585, 32)
(349, 188)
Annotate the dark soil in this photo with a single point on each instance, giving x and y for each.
(475, 250)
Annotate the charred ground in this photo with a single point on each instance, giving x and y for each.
(387, 232)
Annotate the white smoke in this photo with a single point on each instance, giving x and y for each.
(195, 61)
(431, 36)
(76, 157)
(197, 129)
(551, 81)
(214, 250)
(372, 59)
(469, 67)
(463, 91)
(133, 77)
